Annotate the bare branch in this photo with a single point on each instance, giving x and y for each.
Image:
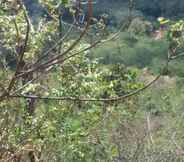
(177, 56)
(89, 99)
(23, 49)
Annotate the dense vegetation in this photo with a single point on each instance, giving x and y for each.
(100, 82)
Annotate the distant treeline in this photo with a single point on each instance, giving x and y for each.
(154, 8)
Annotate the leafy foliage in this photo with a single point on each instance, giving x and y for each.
(60, 95)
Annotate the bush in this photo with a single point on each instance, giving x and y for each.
(132, 50)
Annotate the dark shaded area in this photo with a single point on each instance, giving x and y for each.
(157, 8)
(154, 8)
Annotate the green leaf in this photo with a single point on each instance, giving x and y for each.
(64, 2)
